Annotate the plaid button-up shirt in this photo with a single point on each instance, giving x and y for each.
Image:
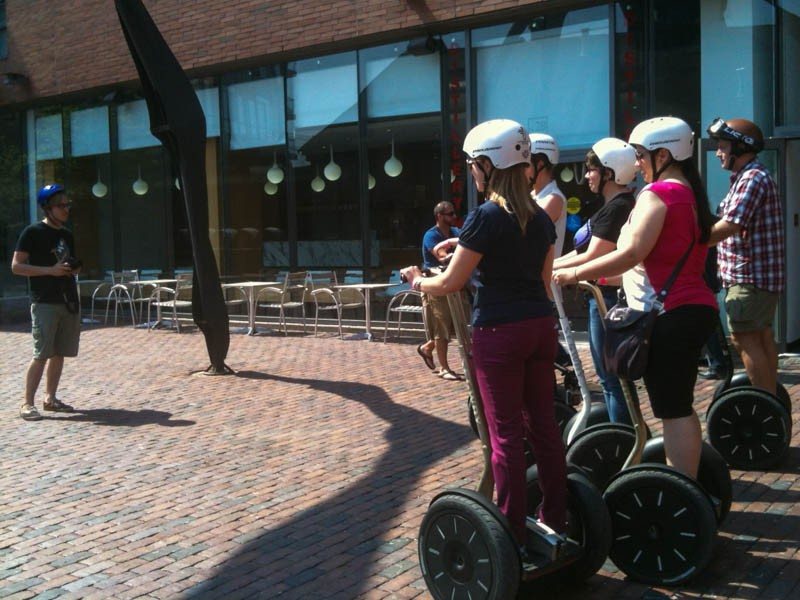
(754, 255)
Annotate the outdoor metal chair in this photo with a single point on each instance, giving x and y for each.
(173, 300)
(291, 295)
(117, 291)
(328, 298)
(404, 301)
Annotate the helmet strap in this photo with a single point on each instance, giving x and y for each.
(664, 167)
(486, 176)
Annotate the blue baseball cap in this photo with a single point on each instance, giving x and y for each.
(47, 192)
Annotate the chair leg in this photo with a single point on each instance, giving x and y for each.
(316, 320)
(282, 316)
(339, 320)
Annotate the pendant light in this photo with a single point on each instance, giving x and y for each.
(140, 186)
(567, 174)
(370, 181)
(393, 167)
(332, 171)
(177, 183)
(99, 189)
(275, 174)
(318, 183)
(270, 189)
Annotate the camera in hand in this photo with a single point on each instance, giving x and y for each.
(73, 263)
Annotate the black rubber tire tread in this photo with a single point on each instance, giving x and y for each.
(713, 473)
(750, 428)
(448, 529)
(588, 523)
(742, 380)
(664, 526)
(601, 451)
(598, 414)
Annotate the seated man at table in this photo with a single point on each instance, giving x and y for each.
(437, 312)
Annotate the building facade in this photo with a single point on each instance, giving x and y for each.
(334, 128)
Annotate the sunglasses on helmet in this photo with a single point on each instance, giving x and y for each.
(719, 129)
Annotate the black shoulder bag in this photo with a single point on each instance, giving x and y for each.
(628, 331)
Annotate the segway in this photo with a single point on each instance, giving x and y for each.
(664, 522)
(466, 548)
(751, 428)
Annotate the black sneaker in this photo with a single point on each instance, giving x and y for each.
(710, 374)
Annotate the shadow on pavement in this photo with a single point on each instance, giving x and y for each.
(120, 417)
(329, 550)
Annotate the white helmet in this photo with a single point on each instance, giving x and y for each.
(618, 155)
(502, 141)
(670, 133)
(541, 143)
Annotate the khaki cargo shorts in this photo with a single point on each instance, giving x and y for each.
(749, 308)
(437, 316)
(56, 331)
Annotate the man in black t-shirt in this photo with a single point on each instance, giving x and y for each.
(45, 254)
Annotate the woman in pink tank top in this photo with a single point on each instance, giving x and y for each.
(670, 217)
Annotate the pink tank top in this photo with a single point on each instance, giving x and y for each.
(645, 280)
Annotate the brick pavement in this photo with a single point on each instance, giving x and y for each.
(304, 476)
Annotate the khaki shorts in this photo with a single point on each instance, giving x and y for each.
(437, 316)
(749, 308)
(56, 331)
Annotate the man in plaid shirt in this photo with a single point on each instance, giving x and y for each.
(750, 250)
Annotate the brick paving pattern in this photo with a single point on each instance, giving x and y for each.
(306, 475)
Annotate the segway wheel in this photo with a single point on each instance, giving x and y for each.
(663, 523)
(712, 473)
(588, 522)
(598, 414)
(742, 380)
(601, 451)
(750, 428)
(466, 552)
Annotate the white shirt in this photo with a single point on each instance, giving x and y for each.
(561, 223)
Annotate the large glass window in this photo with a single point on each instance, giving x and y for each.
(550, 73)
(257, 172)
(404, 146)
(322, 136)
(13, 214)
(737, 61)
(789, 46)
(3, 31)
(88, 179)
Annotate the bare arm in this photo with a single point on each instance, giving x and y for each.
(647, 220)
(721, 230)
(553, 205)
(453, 279)
(20, 266)
(597, 248)
(547, 271)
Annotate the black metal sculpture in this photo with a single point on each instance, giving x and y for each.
(177, 120)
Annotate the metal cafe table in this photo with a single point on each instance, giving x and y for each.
(366, 289)
(250, 289)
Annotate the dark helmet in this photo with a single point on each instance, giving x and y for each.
(47, 192)
(745, 135)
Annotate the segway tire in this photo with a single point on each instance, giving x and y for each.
(742, 380)
(465, 550)
(750, 428)
(598, 414)
(712, 473)
(601, 451)
(663, 523)
(588, 523)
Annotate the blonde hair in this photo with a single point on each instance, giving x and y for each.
(511, 190)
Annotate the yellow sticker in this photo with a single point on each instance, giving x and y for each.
(573, 205)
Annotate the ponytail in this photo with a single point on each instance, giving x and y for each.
(704, 216)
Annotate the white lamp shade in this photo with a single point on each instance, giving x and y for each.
(275, 174)
(370, 181)
(318, 183)
(566, 174)
(332, 171)
(99, 189)
(177, 183)
(270, 189)
(140, 186)
(393, 167)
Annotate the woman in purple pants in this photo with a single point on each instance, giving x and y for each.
(509, 240)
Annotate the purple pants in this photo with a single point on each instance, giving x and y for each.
(513, 364)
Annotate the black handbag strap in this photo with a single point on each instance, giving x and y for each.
(675, 272)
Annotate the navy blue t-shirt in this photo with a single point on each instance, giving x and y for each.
(509, 281)
(432, 237)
